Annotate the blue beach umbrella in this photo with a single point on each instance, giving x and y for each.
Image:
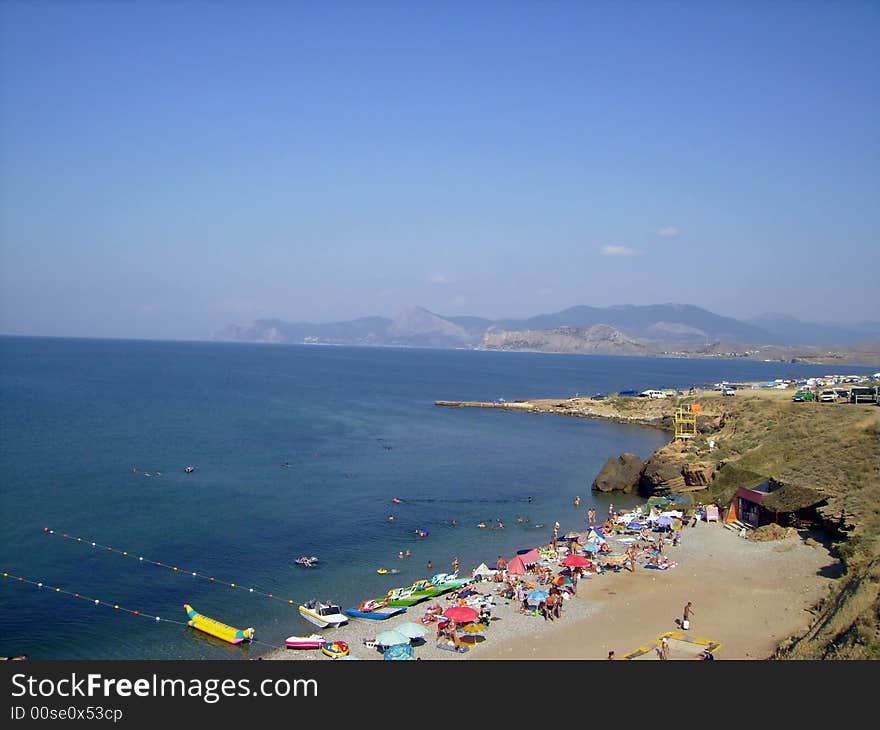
(410, 630)
(391, 638)
(535, 597)
(590, 547)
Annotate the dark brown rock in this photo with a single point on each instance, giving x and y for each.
(698, 474)
(619, 474)
(661, 476)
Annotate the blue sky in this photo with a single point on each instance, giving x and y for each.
(167, 168)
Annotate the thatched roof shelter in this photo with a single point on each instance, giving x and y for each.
(783, 497)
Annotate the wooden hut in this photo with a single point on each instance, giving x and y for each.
(773, 501)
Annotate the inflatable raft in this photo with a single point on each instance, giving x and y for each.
(215, 628)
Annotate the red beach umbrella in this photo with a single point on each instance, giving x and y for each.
(462, 614)
(575, 561)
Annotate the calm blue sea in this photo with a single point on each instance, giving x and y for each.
(82, 420)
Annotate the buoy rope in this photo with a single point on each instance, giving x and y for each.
(172, 568)
(90, 599)
(108, 604)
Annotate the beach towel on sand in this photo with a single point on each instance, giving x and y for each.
(451, 647)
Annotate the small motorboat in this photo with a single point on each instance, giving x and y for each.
(306, 561)
(189, 469)
(313, 641)
(323, 615)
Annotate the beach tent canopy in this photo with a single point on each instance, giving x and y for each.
(595, 534)
(483, 569)
(530, 557)
(516, 566)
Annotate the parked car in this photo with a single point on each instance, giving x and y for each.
(802, 396)
(827, 396)
(627, 393)
(653, 394)
(598, 396)
(728, 391)
(842, 393)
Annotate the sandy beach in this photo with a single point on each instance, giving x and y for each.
(748, 596)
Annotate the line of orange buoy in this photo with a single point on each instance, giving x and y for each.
(172, 568)
(107, 604)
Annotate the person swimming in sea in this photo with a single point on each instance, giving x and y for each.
(481, 525)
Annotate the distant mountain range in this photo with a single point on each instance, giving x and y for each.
(626, 329)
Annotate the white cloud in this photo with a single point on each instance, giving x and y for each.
(617, 251)
(438, 278)
(668, 231)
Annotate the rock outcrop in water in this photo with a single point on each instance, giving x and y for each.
(620, 474)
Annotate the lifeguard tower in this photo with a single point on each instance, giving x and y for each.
(685, 420)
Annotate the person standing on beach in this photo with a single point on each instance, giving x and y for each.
(663, 649)
(555, 534)
(686, 615)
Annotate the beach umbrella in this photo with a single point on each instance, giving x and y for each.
(536, 597)
(575, 561)
(398, 652)
(590, 547)
(391, 638)
(571, 535)
(411, 630)
(563, 580)
(664, 520)
(461, 614)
